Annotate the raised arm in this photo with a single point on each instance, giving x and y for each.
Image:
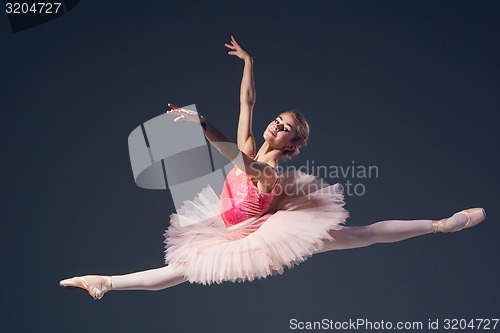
(257, 170)
(245, 139)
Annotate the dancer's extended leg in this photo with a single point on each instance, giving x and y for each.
(385, 232)
(380, 232)
(153, 279)
(98, 285)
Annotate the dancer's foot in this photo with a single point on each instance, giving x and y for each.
(461, 220)
(96, 285)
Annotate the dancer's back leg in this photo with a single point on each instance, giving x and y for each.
(153, 279)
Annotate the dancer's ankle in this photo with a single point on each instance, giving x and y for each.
(451, 224)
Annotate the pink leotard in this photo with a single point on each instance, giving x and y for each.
(241, 199)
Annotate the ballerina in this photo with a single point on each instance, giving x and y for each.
(263, 220)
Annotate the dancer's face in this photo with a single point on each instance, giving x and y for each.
(280, 132)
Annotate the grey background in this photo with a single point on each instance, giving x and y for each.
(409, 86)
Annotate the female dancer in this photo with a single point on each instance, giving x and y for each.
(263, 221)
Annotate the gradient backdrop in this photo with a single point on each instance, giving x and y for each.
(411, 87)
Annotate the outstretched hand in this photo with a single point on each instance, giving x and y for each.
(183, 114)
(237, 50)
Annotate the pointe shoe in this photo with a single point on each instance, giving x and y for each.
(95, 285)
(474, 217)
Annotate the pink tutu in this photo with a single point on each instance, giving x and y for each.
(204, 249)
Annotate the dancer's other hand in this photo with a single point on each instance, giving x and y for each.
(237, 50)
(183, 114)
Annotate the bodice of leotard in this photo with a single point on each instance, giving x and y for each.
(241, 199)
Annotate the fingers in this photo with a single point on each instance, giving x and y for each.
(178, 111)
(234, 41)
(175, 109)
(182, 114)
(182, 111)
(172, 106)
(234, 45)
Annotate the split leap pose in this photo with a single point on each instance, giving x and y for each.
(263, 220)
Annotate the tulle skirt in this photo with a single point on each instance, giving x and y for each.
(201, 248)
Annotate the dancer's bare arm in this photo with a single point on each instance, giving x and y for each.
(246, 141)
(260, 171)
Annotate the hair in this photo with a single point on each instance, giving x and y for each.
(302, 132)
